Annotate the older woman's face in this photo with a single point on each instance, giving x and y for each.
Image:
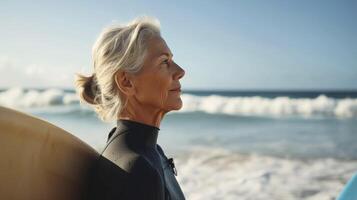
(157, 84)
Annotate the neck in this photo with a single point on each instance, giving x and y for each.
(142, 113)
(138, 135)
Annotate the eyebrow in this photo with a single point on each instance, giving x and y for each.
(166, 54)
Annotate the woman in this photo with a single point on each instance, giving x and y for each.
(135, 82)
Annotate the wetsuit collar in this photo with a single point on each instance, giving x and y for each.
(139, 133)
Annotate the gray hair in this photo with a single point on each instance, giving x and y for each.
(118, 47)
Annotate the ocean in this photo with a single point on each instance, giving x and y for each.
(233, 144)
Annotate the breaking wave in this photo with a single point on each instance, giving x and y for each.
(214, 104)
(208, 173)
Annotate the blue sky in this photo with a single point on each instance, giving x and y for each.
(221, 44)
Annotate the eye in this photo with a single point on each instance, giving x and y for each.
(165, 62)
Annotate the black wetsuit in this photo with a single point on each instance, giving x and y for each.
(134, 167)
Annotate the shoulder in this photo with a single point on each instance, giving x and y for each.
(139, 164)
(142, 172)
(145, 182)
(159, 148)
(161, 151)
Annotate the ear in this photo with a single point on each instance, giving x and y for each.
(124, 83)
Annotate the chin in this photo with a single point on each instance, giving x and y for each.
(176, 106)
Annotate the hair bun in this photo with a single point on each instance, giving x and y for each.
(87, 88)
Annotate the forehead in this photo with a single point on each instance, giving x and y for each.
(157, 46)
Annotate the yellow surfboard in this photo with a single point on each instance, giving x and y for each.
(41, 161)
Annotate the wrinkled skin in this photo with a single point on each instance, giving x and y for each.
(148, 94)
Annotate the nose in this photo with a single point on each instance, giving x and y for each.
(179, 72)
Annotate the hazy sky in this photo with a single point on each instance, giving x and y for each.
(221, 44)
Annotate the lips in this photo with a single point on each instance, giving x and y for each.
(176, 89)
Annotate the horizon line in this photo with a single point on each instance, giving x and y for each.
(218, 89)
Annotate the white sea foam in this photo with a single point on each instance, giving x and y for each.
(19, 97)
(206, 173)
(279, 106)
(213, 104)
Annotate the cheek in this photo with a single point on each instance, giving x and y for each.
(154, 90)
